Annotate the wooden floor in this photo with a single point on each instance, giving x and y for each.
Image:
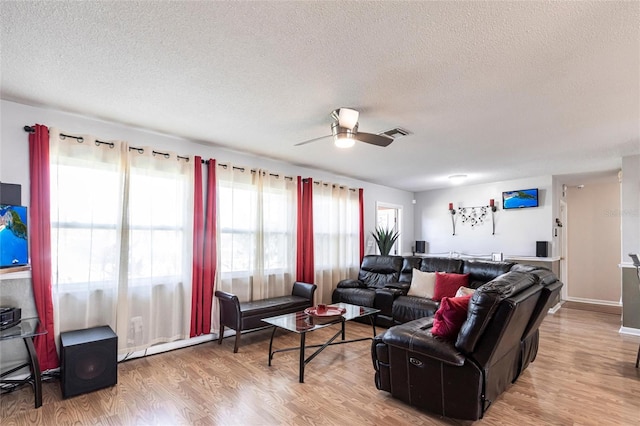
(584, 375)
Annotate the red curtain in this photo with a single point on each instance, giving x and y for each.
(210, 250)
(204, 250)
(361, 197)
(305, 270)
(40, 239)
(198, 253)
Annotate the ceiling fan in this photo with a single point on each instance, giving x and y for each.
(344, 131)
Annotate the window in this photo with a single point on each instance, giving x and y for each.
(84, 221)
(336, 236)
(122, 236)
(257, 220)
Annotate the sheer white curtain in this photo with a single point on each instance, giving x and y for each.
(156, 254)
(87, 181)
(257, 233)
(121, 237)
(336, 228)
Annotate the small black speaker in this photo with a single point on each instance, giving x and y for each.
(89, 360)
(10, 193)
(420, 246)
(542, 248)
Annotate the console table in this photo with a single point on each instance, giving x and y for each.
(26, 330)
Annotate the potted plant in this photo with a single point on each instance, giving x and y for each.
(385, 239)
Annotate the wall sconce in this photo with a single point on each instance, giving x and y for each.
(453, 217)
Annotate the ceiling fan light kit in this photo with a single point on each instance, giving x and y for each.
(342, 136)
(344, 142)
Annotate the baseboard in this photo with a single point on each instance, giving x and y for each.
(593, 301)
(153, 350)
(593, 305)
(630, 331)
(166, 347)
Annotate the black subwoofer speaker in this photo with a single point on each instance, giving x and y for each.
(420, 246)
(89, 360)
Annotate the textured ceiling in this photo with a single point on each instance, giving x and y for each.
(494, 90)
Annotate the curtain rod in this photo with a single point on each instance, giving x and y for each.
(80, 139)
(224, 166)
(333, 185)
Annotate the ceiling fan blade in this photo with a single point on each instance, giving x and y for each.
(373, 139)
(313, 140)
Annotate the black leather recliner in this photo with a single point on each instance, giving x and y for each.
(370, 289)
(549, 296)
(461, 379)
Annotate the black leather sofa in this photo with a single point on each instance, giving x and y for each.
(383, 283)
(458, 378)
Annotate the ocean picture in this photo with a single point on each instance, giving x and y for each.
(520, 199)
(14, 249)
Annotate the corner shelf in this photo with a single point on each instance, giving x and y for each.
(15, 272)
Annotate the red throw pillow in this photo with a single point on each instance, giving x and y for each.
(448, 284)
(450, 316)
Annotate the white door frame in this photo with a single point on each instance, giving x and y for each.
(564, 275)
(398, 209)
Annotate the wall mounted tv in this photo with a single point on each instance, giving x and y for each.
(14, 248)
(520, 199)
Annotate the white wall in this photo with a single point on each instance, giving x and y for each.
(516, 230)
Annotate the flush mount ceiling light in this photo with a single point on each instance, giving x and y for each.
(457, 179)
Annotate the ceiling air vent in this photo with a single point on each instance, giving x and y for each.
(396, 133)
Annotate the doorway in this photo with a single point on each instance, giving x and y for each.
(389, 216)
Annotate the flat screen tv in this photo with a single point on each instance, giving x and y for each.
(14, 248)
(520, 199)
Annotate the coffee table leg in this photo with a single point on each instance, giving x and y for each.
(302, 361)
(271, 345)
(35, 370)
(372, 319)
(344, 333)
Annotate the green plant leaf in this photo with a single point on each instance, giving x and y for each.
(385, 239)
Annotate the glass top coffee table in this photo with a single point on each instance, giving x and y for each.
(302, 323)
(26, 330)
